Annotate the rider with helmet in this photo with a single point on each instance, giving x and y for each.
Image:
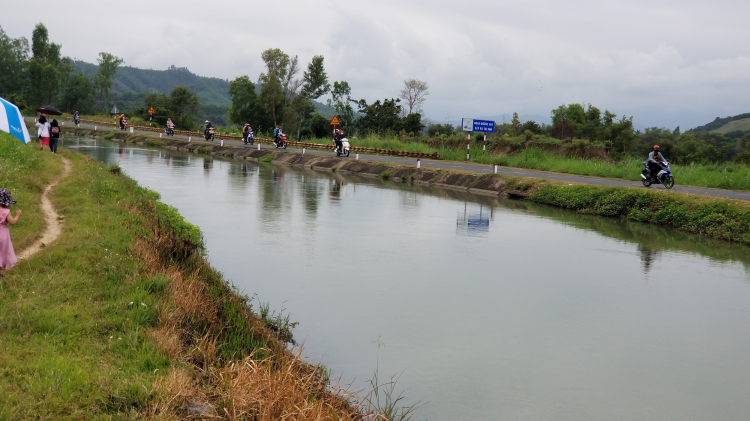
(654, 162)
(337, 138)
(208, 126)
(170, 125)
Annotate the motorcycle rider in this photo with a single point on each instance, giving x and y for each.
(208, 126)
(170, 125)
(337, 139)
(122, 121)
(655, 159)
(276, 134)
(244, 132)
(76, 117)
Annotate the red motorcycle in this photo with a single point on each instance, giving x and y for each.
(280, 141)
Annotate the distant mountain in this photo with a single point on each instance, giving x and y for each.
(133, 84)
(718, 123)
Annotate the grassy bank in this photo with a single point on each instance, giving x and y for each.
(123, 318)
(716, 218)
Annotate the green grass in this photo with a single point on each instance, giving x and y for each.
(717, 218)
(72, 345)
(25, 171)
(735, 125)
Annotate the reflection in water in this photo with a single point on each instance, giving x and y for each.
(540, 317)
(472, 222)
(208, 164)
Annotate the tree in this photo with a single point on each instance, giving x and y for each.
(13, 64)
(414, 93)
(108, 65)
(314, 85)
(380, 117)
(78, 94)
(244, 108)
(341, 102)
(43, 74)
(412, 123)
(516, 124)
(184, 106)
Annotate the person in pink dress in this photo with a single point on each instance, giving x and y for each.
(7, 254)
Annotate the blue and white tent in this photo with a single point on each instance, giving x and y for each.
(11, 121)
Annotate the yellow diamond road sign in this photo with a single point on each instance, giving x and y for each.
(335, 121)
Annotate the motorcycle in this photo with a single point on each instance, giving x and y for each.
(77, 121)
(123, 124)
(209, 133)
(280, 142)
(663, 177)
(249, 138)
(344, 149)
(170, 131)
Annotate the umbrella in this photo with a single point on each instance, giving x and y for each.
(47, 109)
(11, 121)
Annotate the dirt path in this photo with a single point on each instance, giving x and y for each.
(54, 225)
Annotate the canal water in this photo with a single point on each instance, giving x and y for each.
(487, 309)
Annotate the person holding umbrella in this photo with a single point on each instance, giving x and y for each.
(43, 129)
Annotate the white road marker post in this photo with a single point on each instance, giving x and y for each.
(190, 139)
(419, 162)
(94, 128)
(484, 147)
(159, 135)
(496, 168)
(303, 151)
(222, 142)
(131, 129)
(258, 145)
(468, 145)
(357, 157)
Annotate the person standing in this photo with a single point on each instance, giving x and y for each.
(54, 136)
(7, 254)
(43, 129)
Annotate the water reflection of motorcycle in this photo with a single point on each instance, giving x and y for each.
(664, 176)
(280, 141)
(342, 148)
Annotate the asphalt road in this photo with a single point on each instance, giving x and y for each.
(486, 169)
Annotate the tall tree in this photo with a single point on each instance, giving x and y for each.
(516, 124)
(14, 54)
(340, 101)
(380, 117)
(43, 73)
(78, 94)
(414, 93)
(314, 85)
(244, 108)
(184, 106)
(104, 78)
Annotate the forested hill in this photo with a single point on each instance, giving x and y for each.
(720, 122)
(132, 84)
(210, 90)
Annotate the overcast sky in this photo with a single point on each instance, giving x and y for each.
(665, 62)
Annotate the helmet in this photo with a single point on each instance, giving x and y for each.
(43, 115)
(656, 147)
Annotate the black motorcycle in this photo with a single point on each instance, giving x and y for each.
(170, 131)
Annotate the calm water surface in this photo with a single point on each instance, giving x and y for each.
(489, 309)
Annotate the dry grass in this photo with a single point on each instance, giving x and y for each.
(278, 386)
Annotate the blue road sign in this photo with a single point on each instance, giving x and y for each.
(472, 125)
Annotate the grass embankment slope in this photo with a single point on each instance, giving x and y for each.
(122, 318)
(733, 126)
(724, 219)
